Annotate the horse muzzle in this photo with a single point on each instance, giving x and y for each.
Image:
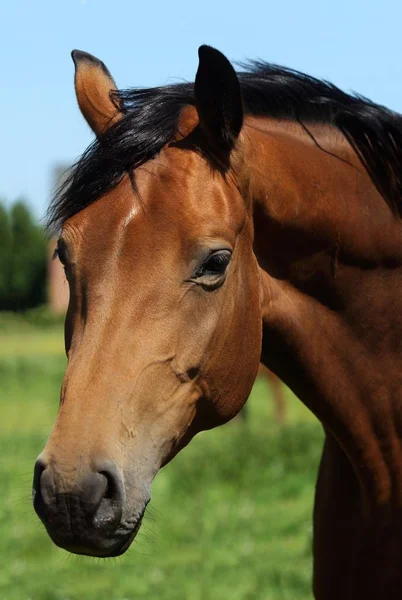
(83, 509)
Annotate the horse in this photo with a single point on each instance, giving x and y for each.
(252, 215)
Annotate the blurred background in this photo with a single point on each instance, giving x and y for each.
(231, 516)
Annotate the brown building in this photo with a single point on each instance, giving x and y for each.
(58, 292)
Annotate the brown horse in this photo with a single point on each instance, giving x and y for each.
(248, 215)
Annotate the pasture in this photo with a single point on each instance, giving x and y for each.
(230, 516)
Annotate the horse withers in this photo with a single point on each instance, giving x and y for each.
(247, 216)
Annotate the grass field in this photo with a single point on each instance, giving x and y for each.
(230, 517)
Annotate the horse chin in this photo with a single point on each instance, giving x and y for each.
(122, 548)
(125, 544)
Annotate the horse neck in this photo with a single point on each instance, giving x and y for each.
(330, 253)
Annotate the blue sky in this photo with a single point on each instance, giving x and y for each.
(355, 43)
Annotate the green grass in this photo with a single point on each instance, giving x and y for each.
(32, 334)
(230, 517)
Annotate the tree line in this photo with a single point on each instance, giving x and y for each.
(23, 259)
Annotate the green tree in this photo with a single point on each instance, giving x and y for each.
(29, 248)
(5, 258)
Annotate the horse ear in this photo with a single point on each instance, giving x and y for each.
(93, 87)
(218, 99)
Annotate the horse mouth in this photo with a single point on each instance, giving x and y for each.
(90, 543)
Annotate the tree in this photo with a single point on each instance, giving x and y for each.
(28, 261)
(5, 258)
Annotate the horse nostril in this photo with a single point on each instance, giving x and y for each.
(37, 496)
(38, 470)
(110, 507)
(111, 488)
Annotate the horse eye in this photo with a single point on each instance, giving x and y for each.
(61, 252)
(215, 264)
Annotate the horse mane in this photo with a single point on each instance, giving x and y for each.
(151, 116)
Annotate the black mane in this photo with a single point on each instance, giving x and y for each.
(151, 116)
